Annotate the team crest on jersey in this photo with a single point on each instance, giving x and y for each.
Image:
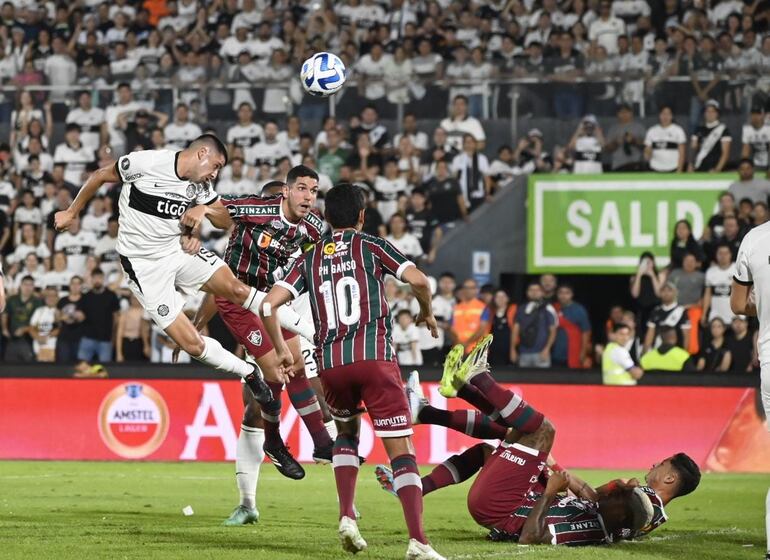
(255, 337)
(302, 229)
(163, 310)
(190, 190)
(276, 224)
(125, 164)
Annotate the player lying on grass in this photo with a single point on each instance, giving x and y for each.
(343, 275)
(672, 477)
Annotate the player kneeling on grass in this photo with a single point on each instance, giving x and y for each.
(343, 273)
(502, 497)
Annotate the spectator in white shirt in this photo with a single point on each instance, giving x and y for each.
(73, 155)
(125, 104)
(606, 29)
(460, 123)
(388, 188)
(402, 240)
(237, 183)
(406, 337)
(409, 130)
(91, 120)
(181, 131)
(78, 245)
(458, 72)
(268, 152)
(371, 70)
(472, 170)
(263, 46)
(248, 17)
(245, 133)
(60, 70)
(233, 46)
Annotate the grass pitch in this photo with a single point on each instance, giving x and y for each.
(69, 510)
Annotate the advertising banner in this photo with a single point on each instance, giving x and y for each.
(602, 223)
(199, 420)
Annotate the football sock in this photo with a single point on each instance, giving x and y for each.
(473, 396)
(515, 412)
(304, 400)
(331, 427)
(216, 356)
(471, 422)
(455, 470)
(289, 319)
(248, 460)
(271, 414)
(345, 464)
(408, 486)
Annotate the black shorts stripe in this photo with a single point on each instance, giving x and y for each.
(126, 264)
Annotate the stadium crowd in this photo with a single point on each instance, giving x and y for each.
(143, 75)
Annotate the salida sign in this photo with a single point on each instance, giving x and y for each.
(194, 420)
(602, 223)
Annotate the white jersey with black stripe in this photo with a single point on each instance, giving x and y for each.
(152, 200)
(753, 267)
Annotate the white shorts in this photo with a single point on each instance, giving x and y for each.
(155, 282)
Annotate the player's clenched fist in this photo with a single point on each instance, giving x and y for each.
(63, 219)
(194, 216)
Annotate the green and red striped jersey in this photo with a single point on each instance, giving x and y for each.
(344, 273)
(264, 242)
(570, 520)
(659, 516)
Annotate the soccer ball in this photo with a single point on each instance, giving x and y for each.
(322, 74)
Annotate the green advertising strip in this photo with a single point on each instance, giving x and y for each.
(602, 223)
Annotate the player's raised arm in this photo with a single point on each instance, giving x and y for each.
(103, 175)
(421, 290)
(216, 213)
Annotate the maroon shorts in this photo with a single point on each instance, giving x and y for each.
(378, 384)
(502, 485)
(247, 328)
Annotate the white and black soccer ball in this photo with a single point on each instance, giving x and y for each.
(322, 74)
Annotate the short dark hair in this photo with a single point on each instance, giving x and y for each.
(267, 188)
(620, 326)
(688, 471)
(27, 276)
(97, 272)
(746, 160)
(211, 141)
(403, 312)
(745, 200)
(447, 274)
(300, 171)
(344, 203)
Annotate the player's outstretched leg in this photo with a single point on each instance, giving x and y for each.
(274, 446)
(248, 460)
(449, 384)
(514, 411)
(210, 352)
(456, 469)
(305, 401)
(470, 422)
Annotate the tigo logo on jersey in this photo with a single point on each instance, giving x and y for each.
(133, 420)
(255, 337)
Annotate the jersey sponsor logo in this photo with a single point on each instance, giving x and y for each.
(334, 247)
(132, 177)
(255, 337)
(508, 456)
(392, 422)
(133, 420)
(252, 210)
(265, 241)
(163, 310)
(156, 205)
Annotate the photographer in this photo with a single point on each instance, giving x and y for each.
(625, 141)
(529, 154)
(586, 146)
